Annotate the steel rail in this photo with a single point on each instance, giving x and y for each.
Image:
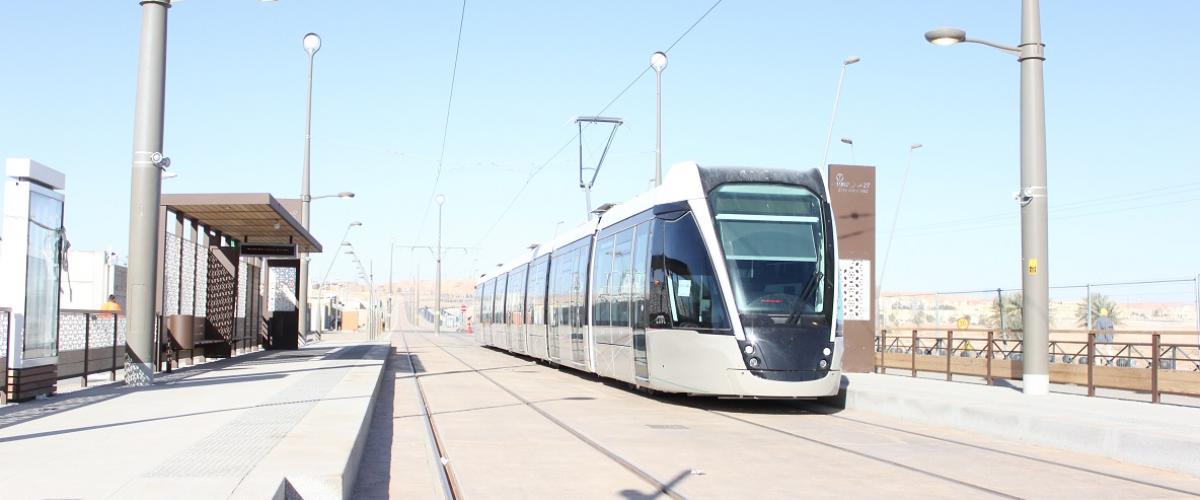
(450, 488)
(661, 487)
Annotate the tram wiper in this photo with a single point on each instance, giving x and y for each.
(809, 289)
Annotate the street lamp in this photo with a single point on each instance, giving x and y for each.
(850, 142)
(345, 195)
(312, 43)
(333, 261)
(658, 61)
(1035, 283)
(895, 217)
(437, 297)
(836, 100)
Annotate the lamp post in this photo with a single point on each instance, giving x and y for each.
(312, 43)
(1035, 283)
(145, 193)
(849, 142)
(658, 61)
(837, 98)
(437, 298)
(892, 234)
(344, 243)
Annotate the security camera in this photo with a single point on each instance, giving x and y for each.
(159, 160)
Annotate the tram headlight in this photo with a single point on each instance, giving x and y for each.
(754, 362)
(826, 351)
(824, 363)
(749, 349)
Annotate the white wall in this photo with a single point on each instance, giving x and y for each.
(89, 278)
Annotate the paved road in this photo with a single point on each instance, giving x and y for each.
(511, 428)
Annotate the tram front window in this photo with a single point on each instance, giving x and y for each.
(773, 238)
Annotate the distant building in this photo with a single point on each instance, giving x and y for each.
(89, 278)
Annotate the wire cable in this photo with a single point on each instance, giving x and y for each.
(437, 178)
(533, 173)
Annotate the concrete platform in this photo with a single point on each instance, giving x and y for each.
(1156, 435)
(259, 425)
(512, 428)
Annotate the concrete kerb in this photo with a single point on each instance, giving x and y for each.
(1158, 436)
(319, 458)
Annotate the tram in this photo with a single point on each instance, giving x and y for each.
(719, 282)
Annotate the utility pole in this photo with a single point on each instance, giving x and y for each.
(145, 192)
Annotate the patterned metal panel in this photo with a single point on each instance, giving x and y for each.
(71, 329)
(283, 289)
(201, 280)
(170, 274)
(4, 323)
(188, 278)
(856, 289)
(221, 293)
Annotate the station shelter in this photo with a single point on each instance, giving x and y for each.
(228, 275)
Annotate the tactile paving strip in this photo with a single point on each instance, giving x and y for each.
(236, 447)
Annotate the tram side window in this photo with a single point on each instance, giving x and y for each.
(562, 292)
(489, 301)
(640, 247)
(693, 297)
(498, 309)
(602, 285)
(537, 293)
(620, 282)
(579, 283)
(516, 297)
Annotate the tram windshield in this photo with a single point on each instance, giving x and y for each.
(773, 238)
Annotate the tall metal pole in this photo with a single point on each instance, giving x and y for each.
(312, 43)
(1034, 223)
(371, 316)
(833, 119)
(895, 217)
(658, 128)
(145, 193)
(658, 61)
(391, 316)
(437, 298)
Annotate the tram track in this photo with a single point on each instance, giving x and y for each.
(450, 487)
(942, 440)
(735, 416)
(660, 487)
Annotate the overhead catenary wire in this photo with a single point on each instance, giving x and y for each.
(533, 173)
(437, 178)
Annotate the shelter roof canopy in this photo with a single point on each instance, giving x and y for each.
(246, 217)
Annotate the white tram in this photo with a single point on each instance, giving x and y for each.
(721, 282)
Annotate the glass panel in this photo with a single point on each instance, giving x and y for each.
(602, 287)
(774, 246)
(620, 281)
(42, 278)
(694, 298)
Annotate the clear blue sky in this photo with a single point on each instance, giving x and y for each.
(753, 84)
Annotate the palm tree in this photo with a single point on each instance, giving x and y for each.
(1013, 303)
(1100, 303)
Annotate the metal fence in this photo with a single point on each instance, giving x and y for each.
(90, 342)
(1142, 361)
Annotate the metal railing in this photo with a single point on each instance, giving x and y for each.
(90, 342)
(1153, 362)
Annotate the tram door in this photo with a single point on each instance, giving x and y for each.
(638, 293)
